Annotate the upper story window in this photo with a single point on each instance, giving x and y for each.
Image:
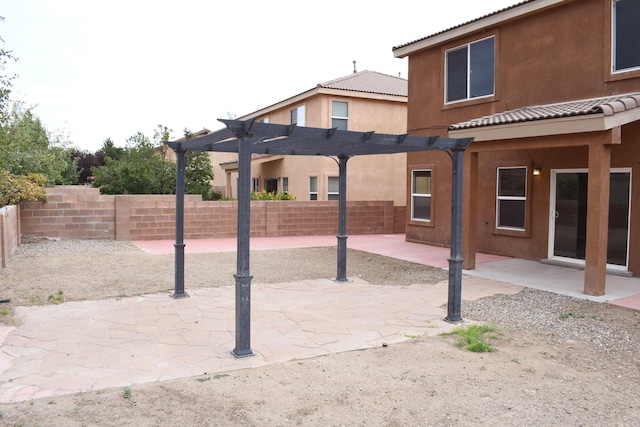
(470, 70)
(512, 198)
(340, 115)
(298, 115)
(626, 34)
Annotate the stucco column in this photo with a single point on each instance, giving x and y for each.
(597, 218)
(469, 213)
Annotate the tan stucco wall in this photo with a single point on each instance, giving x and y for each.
(379, 177)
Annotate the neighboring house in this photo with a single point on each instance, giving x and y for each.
(362, 101)
(550, 90)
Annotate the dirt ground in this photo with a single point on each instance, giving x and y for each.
(558, 360)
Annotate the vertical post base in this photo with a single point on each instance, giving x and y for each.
(342, 258)
(243, 317)
(179, 284)
(455, 291)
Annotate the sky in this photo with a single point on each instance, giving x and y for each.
(94, 70)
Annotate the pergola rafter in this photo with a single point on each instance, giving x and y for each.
(247, 137)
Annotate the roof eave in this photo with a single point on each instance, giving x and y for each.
(474, 26)
(558, 126)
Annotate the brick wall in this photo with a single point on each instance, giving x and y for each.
(82, 213)
(9, 232)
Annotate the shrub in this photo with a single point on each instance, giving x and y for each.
(263, 195)
(16, 189)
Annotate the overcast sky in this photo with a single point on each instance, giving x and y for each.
(108, 69)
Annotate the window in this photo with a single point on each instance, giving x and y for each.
(271, 185)
(340, 115)
(334, 188)
(264, 120)
(313, 188)
(421, 195)
(470, 70)
(298, 115)
(626, 33)
(512, 198)
(285, 184)
(255, 185)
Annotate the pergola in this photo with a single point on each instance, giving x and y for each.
(247, 137)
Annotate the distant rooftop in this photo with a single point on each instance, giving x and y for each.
(369, 82)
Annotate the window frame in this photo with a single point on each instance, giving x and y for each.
(524, 199)
(333, 195)
(468, 71)
(342, 118)
(285, 185)
(255, 184)
(300, 112)
(313, 193)
(429, 195)
(614, 43)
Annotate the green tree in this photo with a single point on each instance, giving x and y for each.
(27, 147)
(140, 170)
(198, 172)
(109, 149)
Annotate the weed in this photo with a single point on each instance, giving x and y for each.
(516, 360)
(78, 408)
(51, 402)
(1, 413)
(34, 298)
(59, 299)
(203, 379)
(530, 370)
(571, 314)
(126, 392)
(483, 368)
(473, 337)
(5, 311)
(412, 336)
(217, 376)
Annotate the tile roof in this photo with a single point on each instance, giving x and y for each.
(608, 106)
(369, 82)
(463, 24)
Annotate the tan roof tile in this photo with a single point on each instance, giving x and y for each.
(606, 105)
(369, 82)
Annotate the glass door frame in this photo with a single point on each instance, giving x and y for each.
(552, 210)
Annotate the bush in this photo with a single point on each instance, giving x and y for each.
(16, 189)
(263, 195)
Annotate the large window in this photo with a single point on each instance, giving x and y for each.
(313, 188)
(626, 34)
(333, 192)
(421, 195)
(512, 198)
(470, 70)
(271, 185)
(340, 115)
(298, 115)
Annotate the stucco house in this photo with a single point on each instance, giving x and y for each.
(550, 90)
(361, 101)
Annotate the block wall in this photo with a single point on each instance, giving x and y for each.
(82, 213)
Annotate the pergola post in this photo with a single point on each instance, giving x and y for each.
(179, 245)
(342, 219)
(242, 276)
(455, 261)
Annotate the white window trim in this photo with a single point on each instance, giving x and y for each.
(313, 192)
(425, 195)
(446, 83)
(614, 42)
(340, 117)
(523, 198)
(332, 193)
(300, 115)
